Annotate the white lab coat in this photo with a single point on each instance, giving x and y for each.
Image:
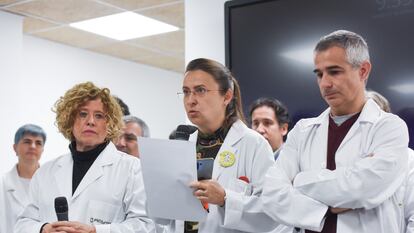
(14, 199)
(371, 165)
(409, 195)
(110, 196)
(242, 211)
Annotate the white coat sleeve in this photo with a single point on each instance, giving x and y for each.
(409, 195)
(281, 200)
(29, 220)
(134, 206)
(369, 181)
(243, 210)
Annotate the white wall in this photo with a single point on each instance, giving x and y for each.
(10, 76)
(204, 33)
(36, 72)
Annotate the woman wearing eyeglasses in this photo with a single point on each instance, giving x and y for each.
(103, 187)
(212, 102)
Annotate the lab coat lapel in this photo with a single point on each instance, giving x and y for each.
(368, 114)
(234, 135)
(64, 175)
(319, 136)
(96, 170)
(12, 184)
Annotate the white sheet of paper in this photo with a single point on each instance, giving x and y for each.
(168, 167)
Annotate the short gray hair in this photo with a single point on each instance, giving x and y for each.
(30, 129)
(355, 46)
(141, 123)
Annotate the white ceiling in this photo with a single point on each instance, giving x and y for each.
(49, 19)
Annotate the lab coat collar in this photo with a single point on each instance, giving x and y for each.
(12, 184)
(236, 132)
(64, 174)
(317, 120)
(370, 112)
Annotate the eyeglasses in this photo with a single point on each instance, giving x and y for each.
(98, 116)
(198, 92)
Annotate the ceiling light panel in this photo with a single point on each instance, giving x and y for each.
(124, 26)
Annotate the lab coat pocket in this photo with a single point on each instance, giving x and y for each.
(100, 212)
(240, 186)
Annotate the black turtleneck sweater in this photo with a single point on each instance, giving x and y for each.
(82, 161)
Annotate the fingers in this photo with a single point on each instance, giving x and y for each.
(69, 227)
(204, 199)
(199, 184)
(200, 193)
(195, 184)
(61, 223)
(65, 229)
(200, 190)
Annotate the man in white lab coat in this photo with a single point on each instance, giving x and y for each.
(29, 141)
(341, 171)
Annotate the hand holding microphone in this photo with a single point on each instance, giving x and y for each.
(61, 209)
(63, 224)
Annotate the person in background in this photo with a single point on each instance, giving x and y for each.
(270, 118)
(29, 143)
(133, 128)
(103, 187)
(124, 106)
(380, 100)
(340, 171)
(406, 197)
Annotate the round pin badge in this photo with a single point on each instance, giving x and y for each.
(226, 159)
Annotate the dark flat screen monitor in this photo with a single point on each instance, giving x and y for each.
(269, 46)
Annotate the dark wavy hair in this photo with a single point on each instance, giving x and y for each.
(280, 110)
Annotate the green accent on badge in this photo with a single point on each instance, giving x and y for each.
(226, 159)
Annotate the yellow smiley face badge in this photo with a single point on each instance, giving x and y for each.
(226, 159)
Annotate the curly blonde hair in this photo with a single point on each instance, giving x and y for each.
(67, 106)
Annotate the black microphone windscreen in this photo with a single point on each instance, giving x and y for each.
(183, 132)
(61, 208)
(187, 128)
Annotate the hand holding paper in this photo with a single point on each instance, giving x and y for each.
(168, 168)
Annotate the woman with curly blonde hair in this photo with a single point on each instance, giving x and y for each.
(103, 186)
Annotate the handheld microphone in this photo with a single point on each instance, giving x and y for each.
(61, 208)
(183, 132)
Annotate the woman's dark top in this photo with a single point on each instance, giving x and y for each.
(82, 161)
